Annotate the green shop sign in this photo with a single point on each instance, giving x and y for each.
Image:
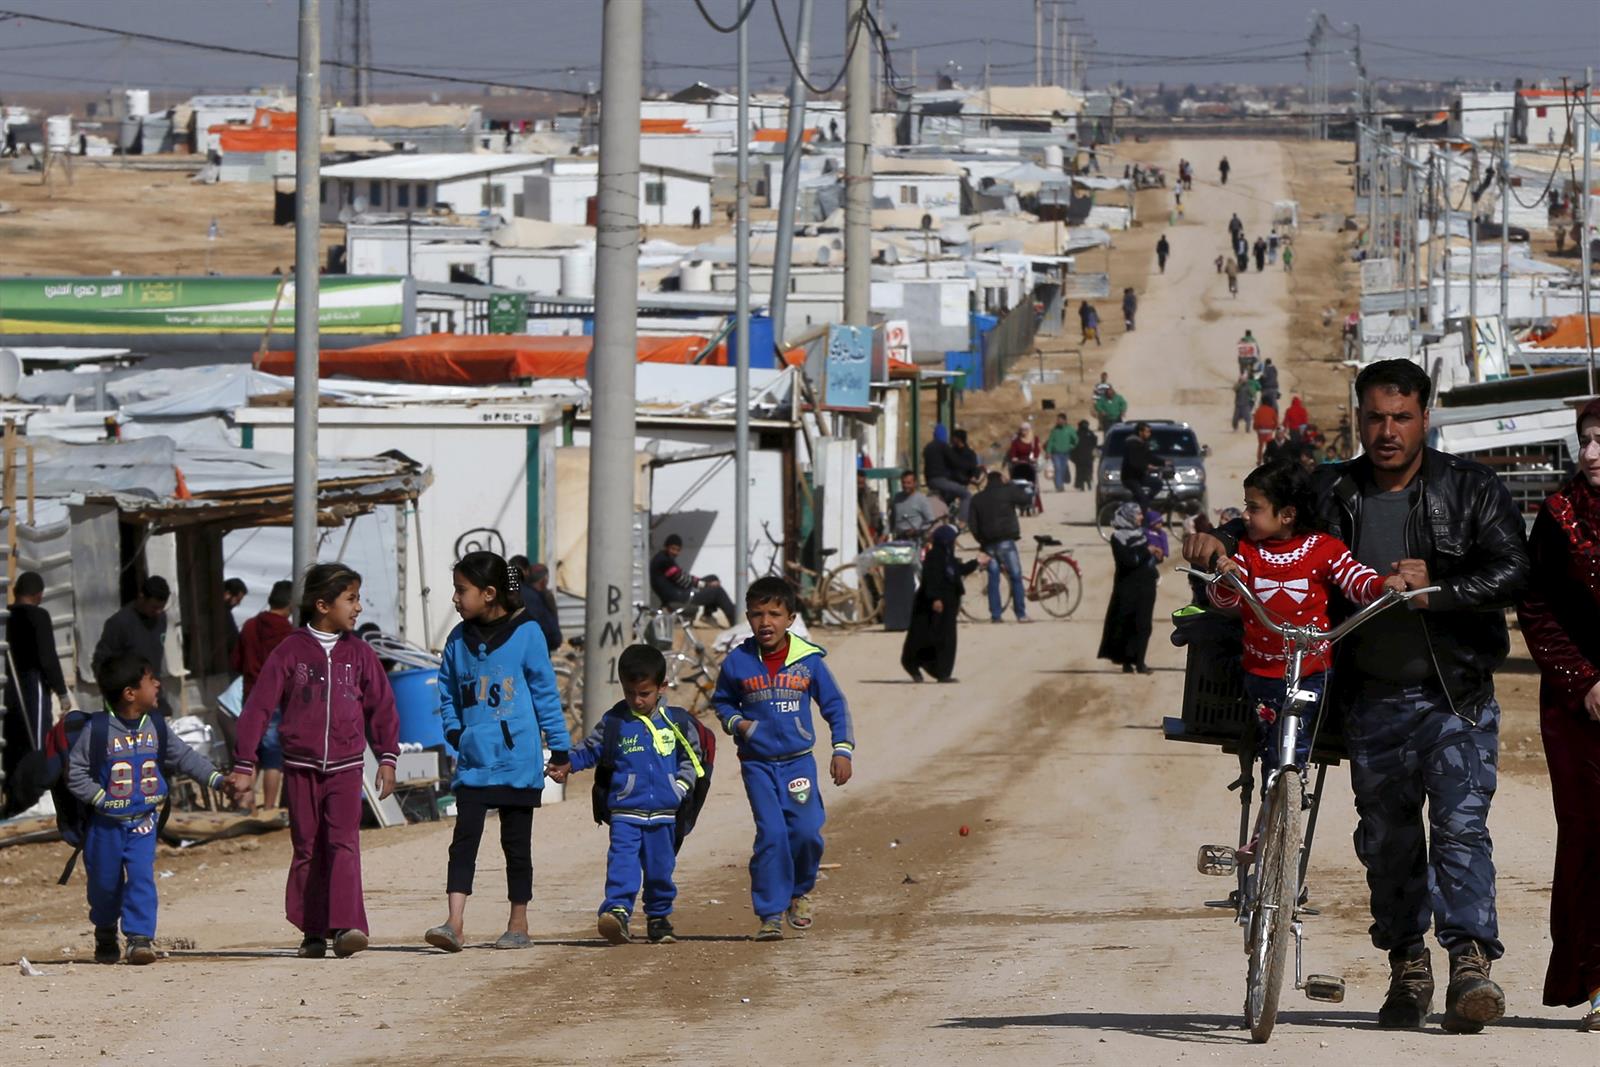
(116, 305)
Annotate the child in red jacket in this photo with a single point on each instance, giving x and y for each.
(1293, 568)
(334, 697)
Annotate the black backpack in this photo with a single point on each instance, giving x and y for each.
(72, 814)
(689, 810)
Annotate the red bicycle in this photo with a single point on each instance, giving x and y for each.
(1055, 583)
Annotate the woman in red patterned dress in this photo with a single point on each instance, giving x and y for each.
(1561, 623)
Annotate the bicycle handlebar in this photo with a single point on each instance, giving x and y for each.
(1306, 636)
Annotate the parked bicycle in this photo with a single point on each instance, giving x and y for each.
(1055, 583)
(848, 594)
(1270, 862)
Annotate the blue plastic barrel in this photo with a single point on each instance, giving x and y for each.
(416, 698)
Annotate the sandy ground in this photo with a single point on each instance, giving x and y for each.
(1067, 928)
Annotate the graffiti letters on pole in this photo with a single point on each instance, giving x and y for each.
(483, 539)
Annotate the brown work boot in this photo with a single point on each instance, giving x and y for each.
(1472, 998)
(1410, 996)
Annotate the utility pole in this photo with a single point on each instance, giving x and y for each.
(1038, 42)
(1472, 256)
(1505, 226)
(614, 357)
(793, 145)
(741, 374)
(363, 48)
(1584, 229)
(857, 169)
(1444, 249)
(986, 83)
(1055, 43)
(307, 290)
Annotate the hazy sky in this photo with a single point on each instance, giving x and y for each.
(556, 43)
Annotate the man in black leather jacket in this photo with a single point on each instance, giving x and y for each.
(1417, 690)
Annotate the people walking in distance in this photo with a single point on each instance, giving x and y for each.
(1223, 169)
(1059, 446)
(1083, 456)
(930, 643)
(1163, 250)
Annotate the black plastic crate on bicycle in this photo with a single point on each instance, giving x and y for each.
(1216, 710)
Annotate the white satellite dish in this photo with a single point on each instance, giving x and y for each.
(360, 204)
(345, 214)
(824, 254)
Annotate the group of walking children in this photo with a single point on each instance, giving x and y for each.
(501, 712)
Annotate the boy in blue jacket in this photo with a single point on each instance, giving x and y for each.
(763, 698)
(654, 764)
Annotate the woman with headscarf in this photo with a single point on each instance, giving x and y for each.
(1023, 459)
(1558, 621)
(1083, 455)
(930, 643)
(1126, 635)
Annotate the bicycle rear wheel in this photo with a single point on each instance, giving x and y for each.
(1059, 585)
(861, 605)
(1277, 889)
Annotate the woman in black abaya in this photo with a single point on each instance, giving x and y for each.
(931, 639)
(1133, 591)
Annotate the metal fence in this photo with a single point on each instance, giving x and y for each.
(1007, 342)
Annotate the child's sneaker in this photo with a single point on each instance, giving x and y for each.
(614, 927)
(771, 929)
(141, 951)
(106, 949)
(312, 948)
(800, 913)
(660, 931)
(348, 942)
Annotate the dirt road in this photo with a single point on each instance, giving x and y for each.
(1067, 928)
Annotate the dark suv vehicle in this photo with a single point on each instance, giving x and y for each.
(1174, 444)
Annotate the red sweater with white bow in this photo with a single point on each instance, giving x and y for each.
(1292, 577)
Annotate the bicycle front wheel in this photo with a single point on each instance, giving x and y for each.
(1059, 586)
(569, 684)
(1102, 518)
(975, 595)
(1277, 890)
(844, 606)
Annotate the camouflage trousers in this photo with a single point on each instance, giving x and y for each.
(1406, 748)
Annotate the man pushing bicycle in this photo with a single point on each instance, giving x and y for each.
(1416, 689)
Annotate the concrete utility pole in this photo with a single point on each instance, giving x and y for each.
(793, 146)
(1505, 226)
(1038, 42)
(307, 290)
(1583, 232)
(1472, 254)
(1055, 44)
(1444, 249)
(857, 168)
(613, 360)
(363, 49)
(741, 359)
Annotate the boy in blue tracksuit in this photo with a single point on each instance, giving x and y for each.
(763, 698)
(654, 763)
(118, 768)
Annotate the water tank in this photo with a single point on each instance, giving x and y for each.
(135, 103)
(58, 133)
(1053, 156)
(695, 276)
(10, 373)
(577, 272)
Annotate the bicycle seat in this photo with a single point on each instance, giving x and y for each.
(1044, 540)
(826, 552)
(576, 642)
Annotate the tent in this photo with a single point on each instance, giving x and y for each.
(482, 359)
(1568, 333)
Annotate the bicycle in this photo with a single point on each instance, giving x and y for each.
(1270, 864)
(827, 598)
(1055, 583)
(1164, 500)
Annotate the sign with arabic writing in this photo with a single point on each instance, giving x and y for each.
(847, 373)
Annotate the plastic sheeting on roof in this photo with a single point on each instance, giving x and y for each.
(1569, 333)
(482, 359)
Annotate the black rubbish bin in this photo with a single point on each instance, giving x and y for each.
(899, 589)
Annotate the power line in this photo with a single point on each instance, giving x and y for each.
(259, 53)
(794, 63)
(744, 16)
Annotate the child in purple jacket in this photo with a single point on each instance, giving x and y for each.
(335, 697)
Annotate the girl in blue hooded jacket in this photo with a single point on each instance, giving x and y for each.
(501, 710)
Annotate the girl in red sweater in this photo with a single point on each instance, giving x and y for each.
(1293, 567)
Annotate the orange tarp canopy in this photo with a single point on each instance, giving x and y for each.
(664, 126)
(269, 131)
(1569, 333)
(480, 359)
(766, 134)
